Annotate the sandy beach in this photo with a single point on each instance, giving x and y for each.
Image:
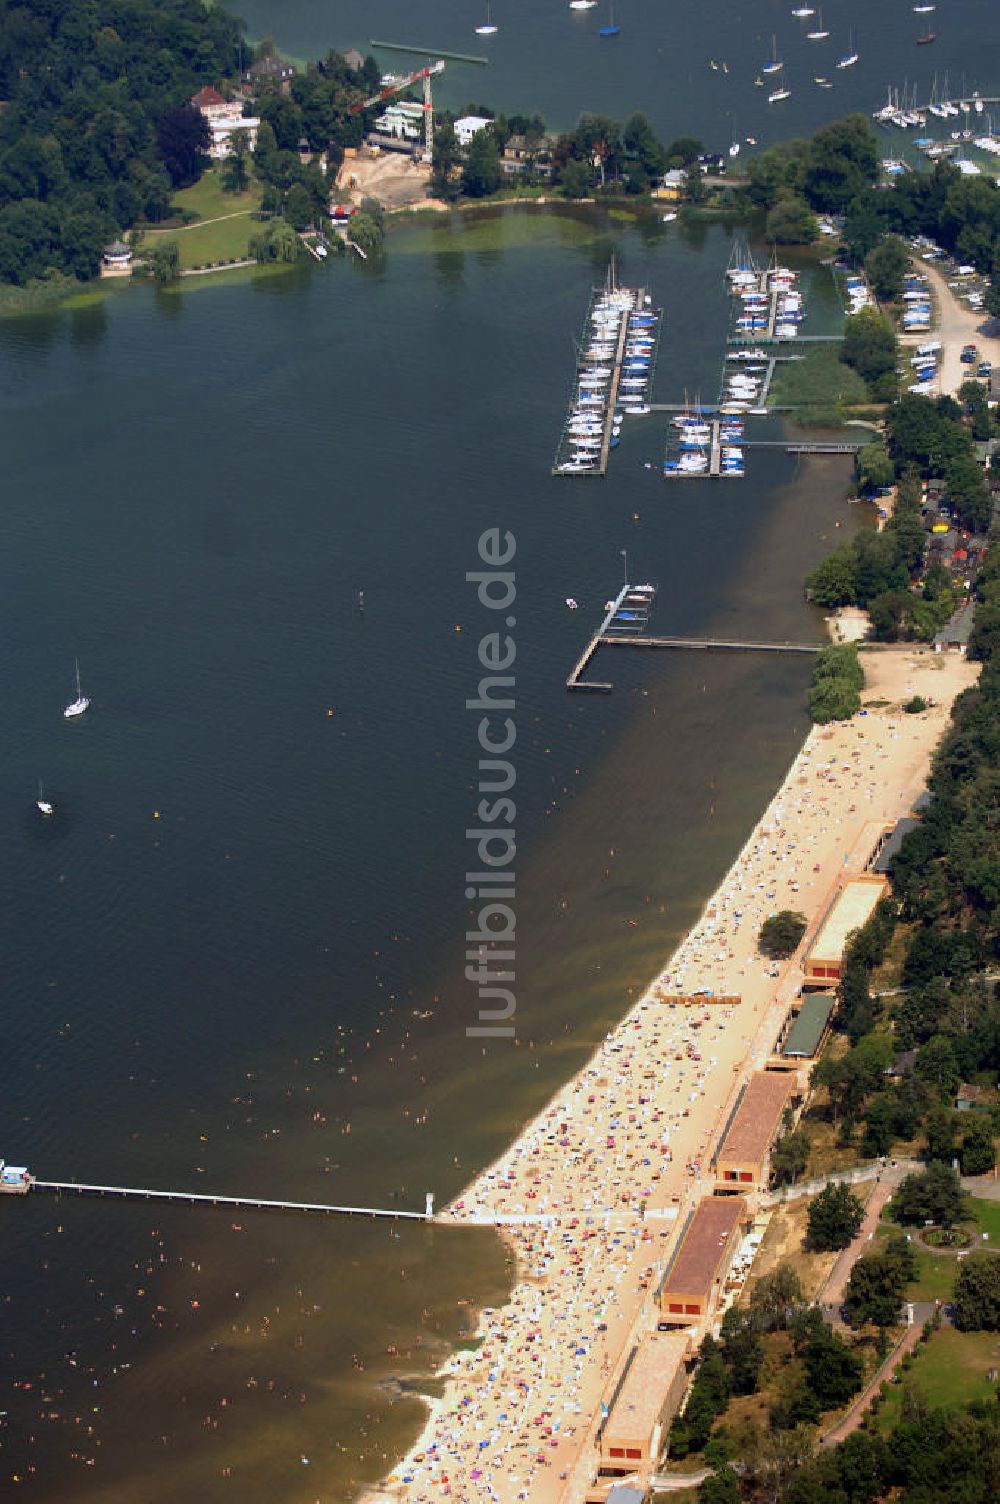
(593, 1192)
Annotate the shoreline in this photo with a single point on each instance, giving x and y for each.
(607, 1295)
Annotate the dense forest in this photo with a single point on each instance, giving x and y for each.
(90, 91)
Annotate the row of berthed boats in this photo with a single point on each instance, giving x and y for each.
(590, 408)
(743, 385)
(690, 446)
(757, 291)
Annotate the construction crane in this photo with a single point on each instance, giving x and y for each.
(425, 74)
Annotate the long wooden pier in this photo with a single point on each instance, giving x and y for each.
(711, 644)
(244, 1203)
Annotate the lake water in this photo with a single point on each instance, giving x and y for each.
(550, 59)
(233, 961)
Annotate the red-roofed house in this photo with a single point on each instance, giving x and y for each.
(211, 103)
(224, 117)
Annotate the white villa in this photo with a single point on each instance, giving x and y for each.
(468, 125)
(223, 117)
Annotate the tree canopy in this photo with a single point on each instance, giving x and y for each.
(834, 1218)
(781, 934)
(97, 127)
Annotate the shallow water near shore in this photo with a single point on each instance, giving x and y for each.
(234, 958)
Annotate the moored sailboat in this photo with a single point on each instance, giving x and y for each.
(81, 704)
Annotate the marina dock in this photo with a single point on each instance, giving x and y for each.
(615, 362)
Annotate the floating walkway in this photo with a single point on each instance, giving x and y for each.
(244, 1203)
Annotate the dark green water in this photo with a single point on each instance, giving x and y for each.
(548, 58)
(223, 997)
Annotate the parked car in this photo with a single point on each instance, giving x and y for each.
(968, 355)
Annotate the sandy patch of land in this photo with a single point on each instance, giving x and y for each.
(395, 179)
(594, 1191)
(848, 624)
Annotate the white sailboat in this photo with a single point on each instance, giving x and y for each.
(819, 33)
(42, 804)
(582, 4)
(774, 66)
(849, 58)
(81, 704)
(487, 29)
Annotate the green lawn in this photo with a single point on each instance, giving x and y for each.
(207, 199)
(816, 385)
(224, 240)
(949, 1370)
(987, 1217)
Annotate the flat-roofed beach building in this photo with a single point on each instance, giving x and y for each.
(852, 907)
(699, 1263)
(646, 1400)
(808, 1026)
(742, 1160)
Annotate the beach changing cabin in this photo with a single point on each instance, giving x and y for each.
(742, 1161)
(806, 1028)
(697, 1269)
(646, 1400)
(852, 907)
